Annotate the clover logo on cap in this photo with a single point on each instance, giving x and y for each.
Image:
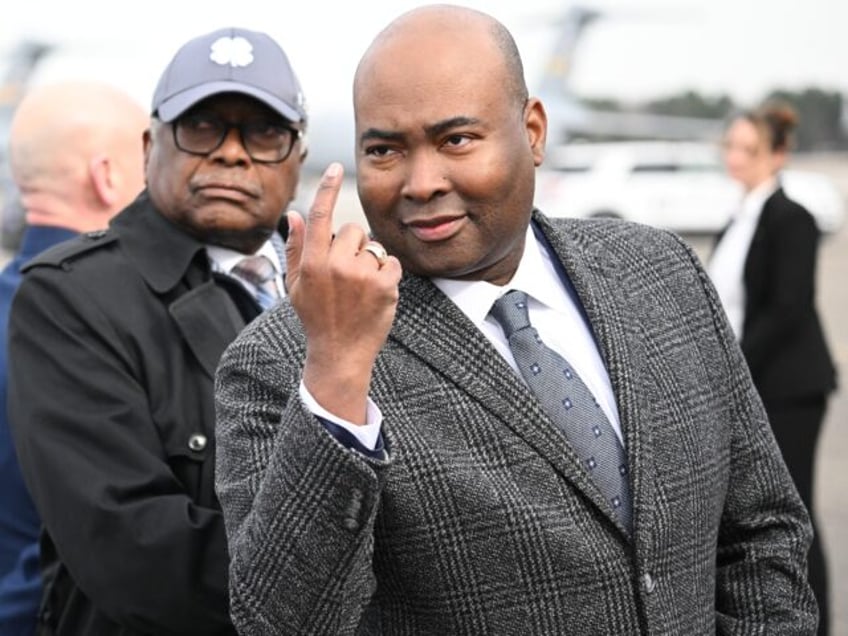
(235, 51)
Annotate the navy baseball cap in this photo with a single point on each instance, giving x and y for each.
(229, 60)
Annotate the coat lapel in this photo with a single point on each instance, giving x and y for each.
(596, 272)
(213, 310)
(209, 322)
(430, 326)
(755, 260)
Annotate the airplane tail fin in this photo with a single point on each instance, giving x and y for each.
(21, 62)
(571, 26)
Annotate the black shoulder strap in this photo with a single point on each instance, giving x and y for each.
(66, 251)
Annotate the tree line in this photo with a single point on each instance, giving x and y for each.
(822, 113)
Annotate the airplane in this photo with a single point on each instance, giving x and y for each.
(331, 131)
(330, 136)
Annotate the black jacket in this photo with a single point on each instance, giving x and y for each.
(114, 341)
(782, 337)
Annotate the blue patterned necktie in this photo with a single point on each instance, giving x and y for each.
(569, 403)
(259, 274)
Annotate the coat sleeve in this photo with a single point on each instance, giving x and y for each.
(299, 507)
(135, 543)
(765, 531)
(790, 283)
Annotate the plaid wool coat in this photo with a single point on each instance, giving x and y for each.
(482, 519)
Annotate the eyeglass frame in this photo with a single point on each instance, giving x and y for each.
(297, 134)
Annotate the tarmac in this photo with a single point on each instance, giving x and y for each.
(832, 455)
(832, 469)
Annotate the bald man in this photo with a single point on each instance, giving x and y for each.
(539, 426)
(76, 158)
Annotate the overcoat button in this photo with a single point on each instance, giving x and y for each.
(197, 442)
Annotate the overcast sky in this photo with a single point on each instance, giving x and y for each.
(638, 49)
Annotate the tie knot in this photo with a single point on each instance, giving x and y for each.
(259, 276)
(510, 310)
(257, 269)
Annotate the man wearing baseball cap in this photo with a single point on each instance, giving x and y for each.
(115, 337)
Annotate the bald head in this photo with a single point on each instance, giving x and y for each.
(448, 142)
(436, 28)
(76, 153)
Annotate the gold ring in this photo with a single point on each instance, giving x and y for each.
(378, 251)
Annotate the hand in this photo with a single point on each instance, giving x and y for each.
(345, 298)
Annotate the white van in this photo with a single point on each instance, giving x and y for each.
(681, 186)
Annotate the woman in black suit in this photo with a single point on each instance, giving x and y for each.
(764, 267)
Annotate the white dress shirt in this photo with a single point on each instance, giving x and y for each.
(553, 313)
(727, 263)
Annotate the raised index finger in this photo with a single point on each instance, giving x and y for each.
(319, 220)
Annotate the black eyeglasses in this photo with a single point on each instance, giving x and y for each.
(265, 141)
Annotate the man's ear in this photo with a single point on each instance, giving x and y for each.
(100, 171)
(536, 125)
(147, 146)
(304, 149)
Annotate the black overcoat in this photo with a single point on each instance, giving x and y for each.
(114, 340)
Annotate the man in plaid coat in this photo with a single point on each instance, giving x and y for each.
(382, 466)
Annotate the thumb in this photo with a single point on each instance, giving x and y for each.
(294, 247)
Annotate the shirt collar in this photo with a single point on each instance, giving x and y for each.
(225, 259)
(753, 201)
(533, 276)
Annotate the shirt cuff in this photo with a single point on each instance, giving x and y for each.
(368, 435)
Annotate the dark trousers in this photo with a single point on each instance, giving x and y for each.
(796, 427)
